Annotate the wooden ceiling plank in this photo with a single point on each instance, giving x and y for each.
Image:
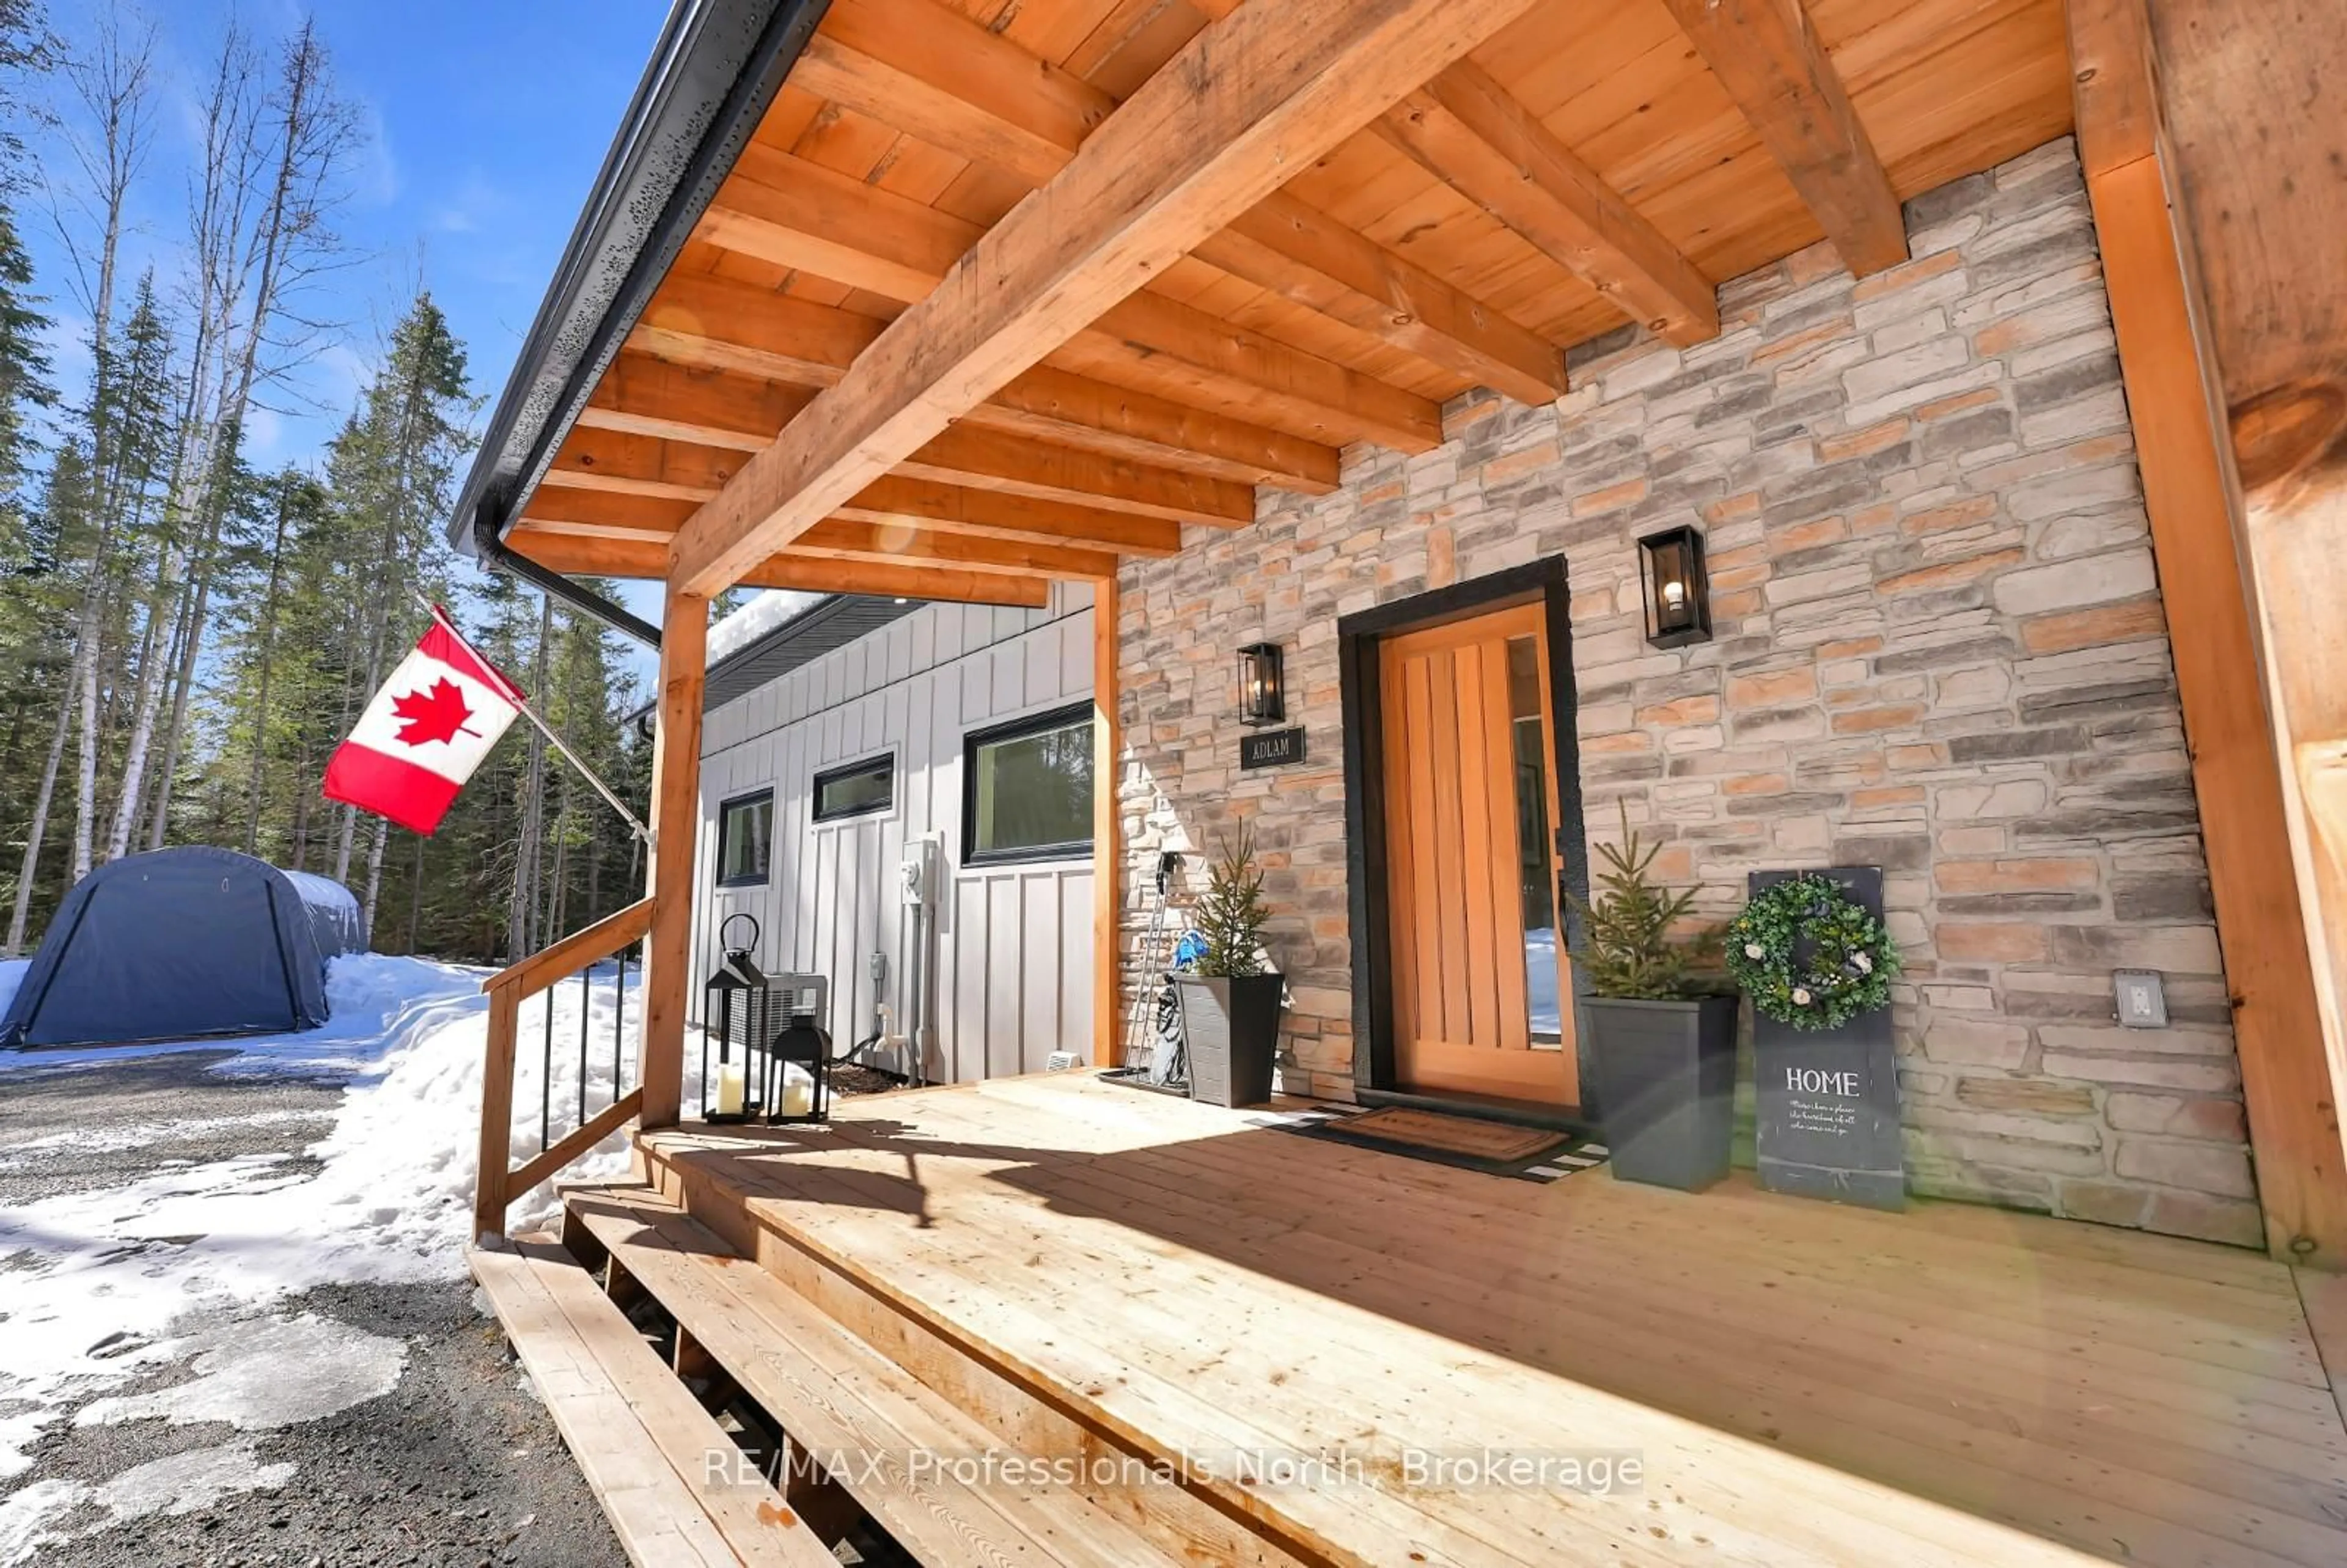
(1174, 165)
(583, 557)
(944, 78)
(991, 514)
(712, 324)
(623, 464)
(899, 544)
(796, 214)
(1766, 55)
(1028, 119)
(555, 504)
(1465, 130)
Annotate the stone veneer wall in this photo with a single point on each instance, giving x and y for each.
(1939, 648)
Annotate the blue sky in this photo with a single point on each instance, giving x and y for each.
(485, 124)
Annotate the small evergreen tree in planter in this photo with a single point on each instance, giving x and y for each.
(1230, 1003)
(1662, 1033)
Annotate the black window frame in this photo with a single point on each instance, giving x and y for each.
(1058, 718)
(725, 810)
(879, 761)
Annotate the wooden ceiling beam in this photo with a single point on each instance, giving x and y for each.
(986, 460)
(990, 514)
(938, 75)
(791, 213)
(903, 544)
(1765, 54)
(712, 324)
(620, 463)
(928, 504)
(1309, 258)
(582, 557)
(1467, 129)
(1176, 163)
(638, 467)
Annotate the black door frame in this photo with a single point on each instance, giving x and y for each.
(1359, 637)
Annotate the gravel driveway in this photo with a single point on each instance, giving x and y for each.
(457, 1464)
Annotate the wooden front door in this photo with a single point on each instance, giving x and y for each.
(1482, 985)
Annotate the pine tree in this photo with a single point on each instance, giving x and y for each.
(1629, 950)
(1231, 914)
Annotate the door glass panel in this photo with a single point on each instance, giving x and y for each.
(1542, 968)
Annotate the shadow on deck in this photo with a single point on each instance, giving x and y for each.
(1799, 1382)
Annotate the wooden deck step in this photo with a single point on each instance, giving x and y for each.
(836, 1395)
(641, 1440)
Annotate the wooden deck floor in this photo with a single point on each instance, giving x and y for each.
(1803, 1383)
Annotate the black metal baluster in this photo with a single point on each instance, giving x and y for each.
(545, 1078)
(584, 996)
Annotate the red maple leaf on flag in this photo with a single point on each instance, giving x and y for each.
(436, 714)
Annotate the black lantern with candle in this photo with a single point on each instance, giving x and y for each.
(1262, 699)
(740, 1013)
(1678, 593)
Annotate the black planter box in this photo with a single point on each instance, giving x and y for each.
(1230, 1029)
(1666, 1084)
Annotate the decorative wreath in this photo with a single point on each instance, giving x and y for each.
(1852, 959)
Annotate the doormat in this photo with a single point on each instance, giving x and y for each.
(1463, 1142)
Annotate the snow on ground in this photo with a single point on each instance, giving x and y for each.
(184, 1264)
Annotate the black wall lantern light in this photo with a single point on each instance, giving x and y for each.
(1677, 592)
(1262, 699)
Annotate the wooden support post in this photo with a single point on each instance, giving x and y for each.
(676, 834)
(2177, 407)
(1108, 903)
(497, 1114)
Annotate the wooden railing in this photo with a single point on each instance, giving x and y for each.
(498, 1182)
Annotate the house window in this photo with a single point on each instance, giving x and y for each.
(1027, 788)
(745, 837)
(856, 790)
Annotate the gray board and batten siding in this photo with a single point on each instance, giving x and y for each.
(1012, 942)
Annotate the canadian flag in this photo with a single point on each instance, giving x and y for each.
(424, 733)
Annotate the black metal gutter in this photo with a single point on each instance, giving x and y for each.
(717, 66)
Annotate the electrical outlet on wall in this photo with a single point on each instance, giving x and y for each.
(2142, 1003)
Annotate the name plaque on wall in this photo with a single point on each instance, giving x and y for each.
(1271, 749)
(1828, 1099)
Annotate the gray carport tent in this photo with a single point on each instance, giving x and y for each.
(183, 944)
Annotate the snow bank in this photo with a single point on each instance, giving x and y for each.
(98, 1286)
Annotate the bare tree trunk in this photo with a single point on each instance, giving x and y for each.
(268, 662)
(31, 865)
(375, 877)
(312, 135)
(521, 923)
(416, 897)
(112, 84)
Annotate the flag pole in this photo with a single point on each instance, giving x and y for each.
(521, 703)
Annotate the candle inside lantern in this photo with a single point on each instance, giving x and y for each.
(730, 1088)
(798, 1095)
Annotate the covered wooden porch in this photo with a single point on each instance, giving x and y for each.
(957, 299)
(1074, 1269)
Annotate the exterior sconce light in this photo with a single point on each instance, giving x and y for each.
(1263, 700)
(1678, 593)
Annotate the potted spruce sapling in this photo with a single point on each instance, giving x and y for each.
(1231, 1000)
(1662, 1032)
